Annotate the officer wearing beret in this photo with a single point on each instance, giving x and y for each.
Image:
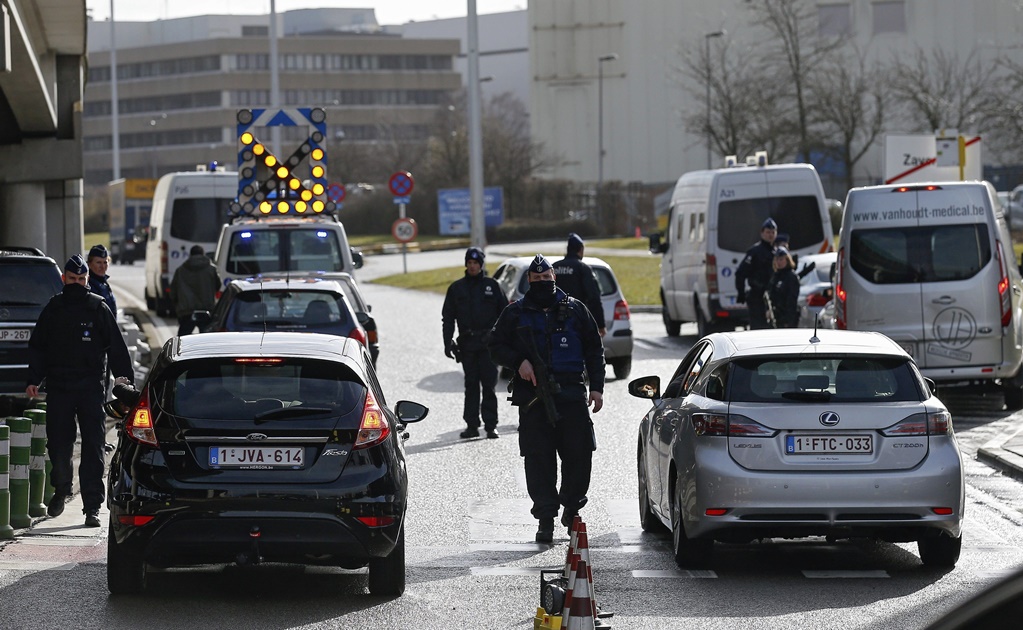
(757, 268)
(474, 302)
(576, 278)
(784, 290)
(73, 338)
(99, 261)
(558, 331)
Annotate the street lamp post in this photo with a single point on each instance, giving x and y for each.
(706, 42)
(600, 117)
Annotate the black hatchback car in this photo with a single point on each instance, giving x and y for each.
(252, 447)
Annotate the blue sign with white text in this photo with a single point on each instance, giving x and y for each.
(454, 208)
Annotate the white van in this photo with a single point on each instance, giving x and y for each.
(932, 266)
(189, 209)
(714, 217)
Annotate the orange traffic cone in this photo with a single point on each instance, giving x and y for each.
(573, 540)
(580, 611)
(570, 576)
(583, 551)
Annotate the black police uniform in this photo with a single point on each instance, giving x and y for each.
(784, 298)
(101, 287)
(575, 278)
(567, 338)
(74, 335)
(756, 268)
(474, 304)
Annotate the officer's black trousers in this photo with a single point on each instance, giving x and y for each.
(757, 311)
(62, 405)
(480, 372)
(541, 444)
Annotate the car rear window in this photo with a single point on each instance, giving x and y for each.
(242, 388)
(798, 216)
(308, 311)
(927, 253)
(28, 284)
(199, 220)
(823, 379)
(254, 252)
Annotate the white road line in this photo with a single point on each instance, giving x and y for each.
(35, 565)
(673, 574)
(846, 574)
(528, 571)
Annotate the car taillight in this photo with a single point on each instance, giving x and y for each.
(134, 520)
(621, 310)
(840, 321)
(712, 273)
(376, 521)
(139, 426)
(359, 335)
(371, 335)
(729, 424)
(1004, 295)
(933, 423)
(373, 430)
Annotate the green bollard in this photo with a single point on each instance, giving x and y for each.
(37, 464)
(40, 404)
(6, 531)
(21, 447)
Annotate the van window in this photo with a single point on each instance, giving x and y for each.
(937, 253)
(199, 220)
(739, 221)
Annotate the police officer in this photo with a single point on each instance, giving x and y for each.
(784, 290)
(194, 288)
(99, 261)
(756, 268)
(549, 333)
(474, 302)
(74, 334)
(575, 278)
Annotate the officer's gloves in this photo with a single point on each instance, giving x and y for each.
(740, 298)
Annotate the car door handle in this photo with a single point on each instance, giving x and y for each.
(945, 299)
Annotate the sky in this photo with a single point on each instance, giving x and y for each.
(387, 11)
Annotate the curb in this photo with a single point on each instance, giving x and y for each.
(1003, 459)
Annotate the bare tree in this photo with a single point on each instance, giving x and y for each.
(849, 108)
(1003, 120)
(940, 91)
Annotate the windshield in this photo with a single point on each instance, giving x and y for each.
(253, 252)
(837, 379)
(799, 217)
(28, 285)
(199, 220)
(306, 311)
(926, 253)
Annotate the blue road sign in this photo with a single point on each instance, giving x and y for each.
(454, 208)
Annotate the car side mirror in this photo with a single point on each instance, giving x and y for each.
(201, 318)
(932, 386)
(116, 409)
(408, 411)
(356, 258)
(647, 387)
(363, 318)
(656, 246)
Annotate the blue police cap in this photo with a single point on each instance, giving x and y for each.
(98, 251)
(475, 253)
(781, 238)
(539, 264)
(781, 251)
(76, 264)
(575, 242)
(769, 224)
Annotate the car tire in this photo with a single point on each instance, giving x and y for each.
(387, 575)
(1013, 397)
(150, 303)
(689, 553)
(671, 326)
(703, 327)
(622, 367)
(126, 570)
(163, 307)
(647, 519)
(940, 552)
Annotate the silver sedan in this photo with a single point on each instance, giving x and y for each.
(782, 434)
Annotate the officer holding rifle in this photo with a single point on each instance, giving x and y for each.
(551, 342)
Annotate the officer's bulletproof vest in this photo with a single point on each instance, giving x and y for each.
(79, 342)
(557, 335)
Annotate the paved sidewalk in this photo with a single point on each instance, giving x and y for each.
(1005, 452)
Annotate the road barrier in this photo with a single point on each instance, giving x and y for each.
(37, 463)
(21, 457)
(6, 531)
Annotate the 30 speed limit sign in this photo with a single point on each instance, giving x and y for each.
(404, 230)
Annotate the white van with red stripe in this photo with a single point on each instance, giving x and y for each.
(932, 266)
(714, 217)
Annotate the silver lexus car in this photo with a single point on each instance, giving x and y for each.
(783, 434)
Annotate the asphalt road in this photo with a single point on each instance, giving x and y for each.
(471, 559)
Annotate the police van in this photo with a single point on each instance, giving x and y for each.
(932, 266)
(714, 217)
(189, 208)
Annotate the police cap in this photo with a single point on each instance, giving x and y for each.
(539, 264)
(769, 224)
(475, 253)
(575, 243)
(98, 251)
(76, 264)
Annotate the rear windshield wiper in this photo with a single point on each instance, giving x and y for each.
(16, 303)
(808, 396)
(289, 412)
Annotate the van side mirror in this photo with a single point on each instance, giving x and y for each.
(356, 258)
(656, 246)
(201, 319)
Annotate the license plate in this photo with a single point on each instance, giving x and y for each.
(829, 444)
(15, 334)
(257, 456)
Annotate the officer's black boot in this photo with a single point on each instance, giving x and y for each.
(545, 532)
(471, 432)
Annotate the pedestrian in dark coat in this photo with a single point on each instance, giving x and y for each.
(74, 338)
(194, 288)
(756, 268)
(784, 290)
(99, 262)
(576, 278)
(547, 333)
(473, 303)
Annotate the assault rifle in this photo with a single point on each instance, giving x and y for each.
(546, 386)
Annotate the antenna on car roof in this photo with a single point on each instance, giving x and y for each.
(814, 339)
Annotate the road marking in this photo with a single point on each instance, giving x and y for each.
(845, 574)
(35, 565)
(673, 573)
(516, 547)
(527, 571)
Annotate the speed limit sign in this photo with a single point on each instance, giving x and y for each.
(404, 230)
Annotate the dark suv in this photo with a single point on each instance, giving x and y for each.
(28, 279)
(251, 447)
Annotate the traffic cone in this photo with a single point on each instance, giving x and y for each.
(583, 551)
(573, 540)
(580, 612)
(570, 581)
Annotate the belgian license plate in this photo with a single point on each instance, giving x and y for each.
(15, 334)
(829, 444)
(257, 456)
